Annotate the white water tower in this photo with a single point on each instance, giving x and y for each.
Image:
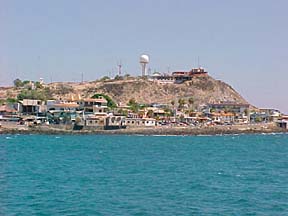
(144, 60)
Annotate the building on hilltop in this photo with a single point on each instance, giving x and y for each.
(178, 76)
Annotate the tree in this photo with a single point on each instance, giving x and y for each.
(191, 101)
(2, 101)
(25, 82)
(17, 83)
(123, 112)
(38, 85)
(105, 78)
(168, 112)
(134, 106)
(11, 100)
(150, 114)
(117, 77)
(181, 103)
(173, 103)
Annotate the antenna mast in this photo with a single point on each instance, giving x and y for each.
(119, 68)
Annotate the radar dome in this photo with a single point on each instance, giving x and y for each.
(144, 59)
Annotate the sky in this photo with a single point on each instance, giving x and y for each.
(243, 43)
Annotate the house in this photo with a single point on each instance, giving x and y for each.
(257, 116)
(61, 111)
(93, 105)
(8, 113)
(61, 105)
(30, 106)
(162, 78)
(273, 114)
(104, 122)
(7, 110)
(154, 112)
(222, 117)
(283, 122)
(237, 108)
(140, 122)
(115, 122)
(95, 122)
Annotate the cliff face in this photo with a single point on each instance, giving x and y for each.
(202, 89)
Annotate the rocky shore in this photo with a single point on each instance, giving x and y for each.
(231, 129)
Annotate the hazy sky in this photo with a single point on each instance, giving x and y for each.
(243, 43)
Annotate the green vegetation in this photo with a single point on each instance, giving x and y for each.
(110, 103)
(11, 100)
(181, 103)
(18, 83)
(25, 82)
(123, 112)
(150, 114)
(191, 101)
(44, 94)
(258, 119)
(212, 110)
(2, 102)
(38, 85)
(104, 78)
(172, 103)
(117, 77)
(134, 106)
(168, 112)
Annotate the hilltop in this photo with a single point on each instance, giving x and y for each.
(202, 89)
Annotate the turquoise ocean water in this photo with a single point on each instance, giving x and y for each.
(143, 175)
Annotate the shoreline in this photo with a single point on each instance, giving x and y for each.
(265, 128)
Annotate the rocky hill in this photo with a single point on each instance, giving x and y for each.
(202, 89)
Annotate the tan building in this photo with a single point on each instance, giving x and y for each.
(140, 122)
(29, 106)
(93, 105)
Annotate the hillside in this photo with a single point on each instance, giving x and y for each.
(201, 89)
